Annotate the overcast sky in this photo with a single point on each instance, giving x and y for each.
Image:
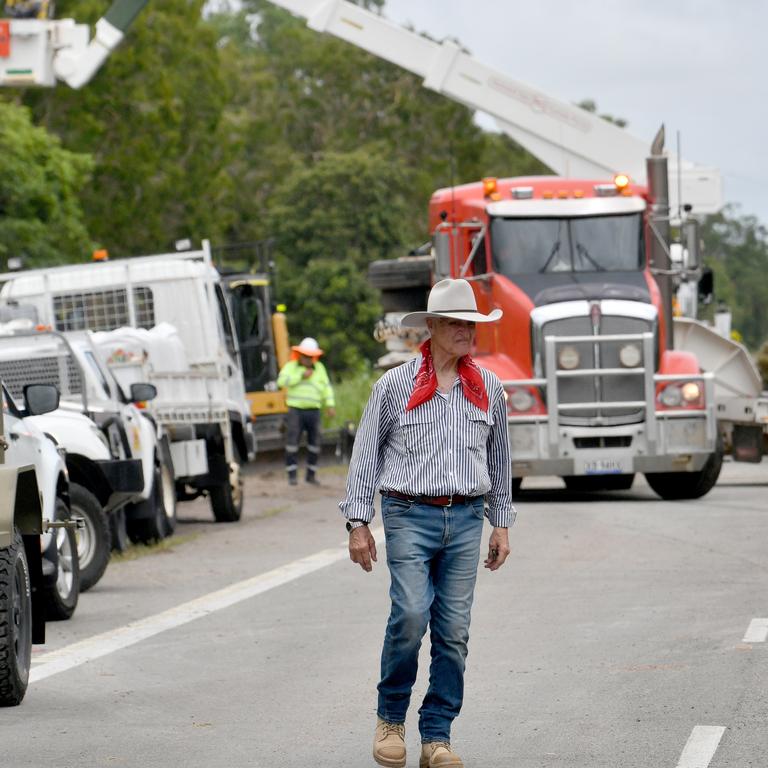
(699, 66)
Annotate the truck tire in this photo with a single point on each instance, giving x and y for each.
(168, 494)
(673, 486)
(227, 498)
(94, 541)
(592, 483)
(118, 530)
(15, 623)
(61, 597)
(154, 525)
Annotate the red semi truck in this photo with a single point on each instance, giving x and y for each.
(581, 270)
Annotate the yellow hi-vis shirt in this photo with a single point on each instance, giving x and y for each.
(314, 392)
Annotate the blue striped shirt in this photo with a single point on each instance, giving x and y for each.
(442, 447)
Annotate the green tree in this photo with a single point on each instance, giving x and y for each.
(736, 249)
(152, 118)
(347, 206)
(301, 95)
(40, 214)
(332, 301)
(337, 154)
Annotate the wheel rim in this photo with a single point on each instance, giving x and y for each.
(65, 577)
(169, 493)
(21, 624)
(86, 539)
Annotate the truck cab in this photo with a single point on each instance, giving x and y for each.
(594, 392)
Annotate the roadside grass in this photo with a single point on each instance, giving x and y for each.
(136, 551)
(334, 469)
(352, 394)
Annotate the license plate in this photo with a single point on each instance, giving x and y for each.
(621, 465)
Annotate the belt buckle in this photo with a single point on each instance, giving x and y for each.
(450, 501)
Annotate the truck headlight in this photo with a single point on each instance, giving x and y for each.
(691, 392)
(630, 356)
(671, 396)
(520, 400)
(568, 358)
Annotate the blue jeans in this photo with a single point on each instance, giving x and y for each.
(433, 555)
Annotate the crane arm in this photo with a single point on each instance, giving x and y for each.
(76, 68)
(42, 51)
(570, 140)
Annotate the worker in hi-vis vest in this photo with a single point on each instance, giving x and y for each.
(308, 392)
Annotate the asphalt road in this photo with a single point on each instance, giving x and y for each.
(612, 637)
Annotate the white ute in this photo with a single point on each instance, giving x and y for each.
(27, 445)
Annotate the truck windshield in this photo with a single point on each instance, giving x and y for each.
(578, 244)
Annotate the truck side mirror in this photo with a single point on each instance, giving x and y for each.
(442, 246)
(142, 392)
(691, 243)
(40, 399)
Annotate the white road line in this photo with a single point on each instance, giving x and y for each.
(757, 631)
(116, 639)
(701, 746)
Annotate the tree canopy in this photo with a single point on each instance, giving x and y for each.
(41, 216)
(245, 125)
(736, 249)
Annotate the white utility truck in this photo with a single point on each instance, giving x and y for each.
(201, 402)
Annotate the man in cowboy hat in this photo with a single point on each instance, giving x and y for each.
(309, 390)
(433, 441)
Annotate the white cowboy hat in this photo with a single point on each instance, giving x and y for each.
(450, 298)
(308, 347)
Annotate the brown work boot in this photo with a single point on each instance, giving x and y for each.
(438, 754)
(389, 744)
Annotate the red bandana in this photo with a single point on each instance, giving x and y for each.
(426, 381)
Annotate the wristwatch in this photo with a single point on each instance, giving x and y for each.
(352, 524)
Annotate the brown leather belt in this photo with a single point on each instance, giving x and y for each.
(435, 501)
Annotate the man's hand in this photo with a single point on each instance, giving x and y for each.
(498, 549)
(362, 547)
(331, 411)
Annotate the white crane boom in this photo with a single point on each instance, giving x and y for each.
(569, 140)
(39, 52)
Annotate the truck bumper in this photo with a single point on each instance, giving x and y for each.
(660, 439)
(682, 444)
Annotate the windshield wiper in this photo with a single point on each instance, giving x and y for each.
(552, 254)
(584, 253)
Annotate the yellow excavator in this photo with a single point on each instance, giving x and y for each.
(28, 9)
(247, 274)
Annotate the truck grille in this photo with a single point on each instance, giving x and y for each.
(597, 389)
(60, 370)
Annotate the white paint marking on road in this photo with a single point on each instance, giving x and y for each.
(757, 632)
(122, 637)
(701, 746)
